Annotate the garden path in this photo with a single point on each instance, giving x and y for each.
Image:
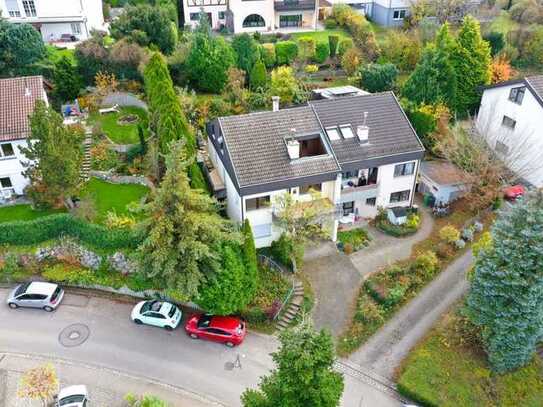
(390, 345)
(384, 249)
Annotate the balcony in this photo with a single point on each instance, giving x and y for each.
(358, 193)
(290, 5)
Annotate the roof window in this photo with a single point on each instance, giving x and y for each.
(333, 133)
(346, 131)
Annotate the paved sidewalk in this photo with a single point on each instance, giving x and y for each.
(390, 345)
(384, 249)
(107, 387)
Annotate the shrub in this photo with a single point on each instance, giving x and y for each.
(351, 60)
(445, 251)
(427, 263)
(348, 248)
(460, 244)
(322, 52)
(344, 45)
(254, 315)
(467, 234)
(378, 78)
(54, 226)
(306, 48)
(10, 265)
(449, 234)
(286, 52)
(355, 238)
(258, 76)
(413, 221)
(395, 295)
(496, 40)
(311, 68)
(282, 250)
(114, 221)
(333, 41)
(484, 243)
(330, 23)
(268, 55)
(370, 312)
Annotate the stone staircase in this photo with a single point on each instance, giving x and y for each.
(86, 164)
(292, 308)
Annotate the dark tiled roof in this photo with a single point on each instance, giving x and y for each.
(442, 172)
(17, 99)
(255, 143)
(389, 129)
(536, 82)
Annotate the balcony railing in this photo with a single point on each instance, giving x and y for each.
(359, 193)
(288, 5)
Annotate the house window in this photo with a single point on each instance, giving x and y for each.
(253, 20)
(501, 148)
(371, 201)
(349, 174)
(517, 94)
(348, 208)
(76, 28)
(306, 188)
(5, 182)
(194, 16)
(258, 203)
(13, 8)
(508, 122)
(6, 150)
(290, 20)
(400, 196)
(346, 131)
(221, 15)
(399, 14)
(401, 170)
(30, 8)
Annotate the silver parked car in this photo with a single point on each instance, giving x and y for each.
(36, 294)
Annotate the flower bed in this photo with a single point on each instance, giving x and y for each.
(353, 240)
(120, 133)
(408, 228)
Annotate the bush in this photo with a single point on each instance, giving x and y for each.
(496, 40)
(254, 315)
(445, 251)
(395, 230)
(378, 78)
(460, 244)
(413, 221)
(348, 248)
(449, 234)
(355, 238)
(306, 48)
(322, 52)
(258, 78)
(427, 263)
(330, 23)
(369, 313)
(484, 243)
(351, 60)
(286, 52)
(268, 55)
(311, 69)
(282, 250)
(54, 226)
(467, 234)
(333, 41)
(344, 45)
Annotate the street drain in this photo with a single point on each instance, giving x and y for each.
(74, 335)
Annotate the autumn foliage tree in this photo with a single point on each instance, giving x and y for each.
(501, 70)
(39, 383)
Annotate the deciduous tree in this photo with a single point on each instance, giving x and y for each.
(54, 156)
(506, 296)
(39, 383)
(183, 230)
(304, 375)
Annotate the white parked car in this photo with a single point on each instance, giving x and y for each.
(73, 396)
(157, 313)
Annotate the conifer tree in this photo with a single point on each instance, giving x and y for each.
(183, 230)
(506, 296)
(258, 77)
(472, 64)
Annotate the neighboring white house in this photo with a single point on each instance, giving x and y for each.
(17, 100)
(360, 152)
(253, 15)
(511, 118)
(54, 18)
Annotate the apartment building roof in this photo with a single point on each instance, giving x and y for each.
(255, 144)
(255, 153)
(17, 100)
(390, 132)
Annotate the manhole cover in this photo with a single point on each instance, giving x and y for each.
(74, 335)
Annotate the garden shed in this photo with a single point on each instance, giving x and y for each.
(397, 215)
(444, 181)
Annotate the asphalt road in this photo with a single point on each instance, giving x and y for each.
(172, 358)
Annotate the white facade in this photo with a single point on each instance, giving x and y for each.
(12, 181)
(513, 129)
(254, 15)
(54, 18)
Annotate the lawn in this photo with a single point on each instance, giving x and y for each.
(449, 368)
(54, 54)
(322, 35)
(23, 212)
(120, 133)
(112, 197)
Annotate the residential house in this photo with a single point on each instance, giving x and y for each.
(18, 97)
(511, 118)
(359, 152)
(388, 13)
(240, 16)
(56, 18)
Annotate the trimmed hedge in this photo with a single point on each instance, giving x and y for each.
(322, 52)
(286, 52)
(54, 226)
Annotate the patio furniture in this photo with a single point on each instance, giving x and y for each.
(113, 109)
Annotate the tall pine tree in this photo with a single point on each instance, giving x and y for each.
(506, 297)
(472, 64)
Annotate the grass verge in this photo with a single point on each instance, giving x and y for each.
(24, 212)
(121, 133)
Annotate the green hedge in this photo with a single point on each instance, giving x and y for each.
(54, 226)
(286, 52)
(394, 230)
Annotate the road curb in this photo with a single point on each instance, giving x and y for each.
(69, 362)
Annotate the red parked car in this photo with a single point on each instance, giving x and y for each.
(228, 330)
(513, 192)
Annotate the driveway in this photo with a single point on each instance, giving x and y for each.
(335, 282)
(169, 358)
(391, 344)
(384, 249)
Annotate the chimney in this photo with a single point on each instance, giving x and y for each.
(363, 131)
(293, 146)
(275, 103)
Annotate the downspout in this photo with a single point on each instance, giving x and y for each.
(412, 200)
